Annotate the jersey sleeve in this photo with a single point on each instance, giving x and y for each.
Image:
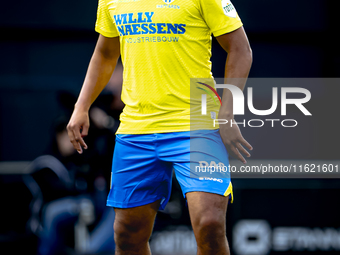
(104, 23)
(220, 16)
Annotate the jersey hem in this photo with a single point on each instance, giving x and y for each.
(213, 191)
(156, 131)
(137, 203)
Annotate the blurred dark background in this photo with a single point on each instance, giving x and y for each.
(45, 48)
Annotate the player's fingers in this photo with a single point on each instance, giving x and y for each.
(82, 143)
(246, 144)
(237, 154)
(84, 131)
(72, 138)
(242, 150)
(79, 140)
(74, 134)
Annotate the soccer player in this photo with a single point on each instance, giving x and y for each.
(163, 44)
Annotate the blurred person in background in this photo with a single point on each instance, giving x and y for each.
(64, 205)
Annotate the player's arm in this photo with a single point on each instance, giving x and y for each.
(99, 72)
(237, 68)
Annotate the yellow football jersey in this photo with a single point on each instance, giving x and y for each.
(163, 44)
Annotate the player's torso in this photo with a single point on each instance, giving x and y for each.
(164, 43)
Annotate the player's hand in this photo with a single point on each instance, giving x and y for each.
(77, 128)
(234, 141)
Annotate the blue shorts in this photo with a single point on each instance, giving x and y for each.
(143, 165)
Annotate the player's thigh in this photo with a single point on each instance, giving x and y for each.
(136, 220)
(207, 211)
(203, 203)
